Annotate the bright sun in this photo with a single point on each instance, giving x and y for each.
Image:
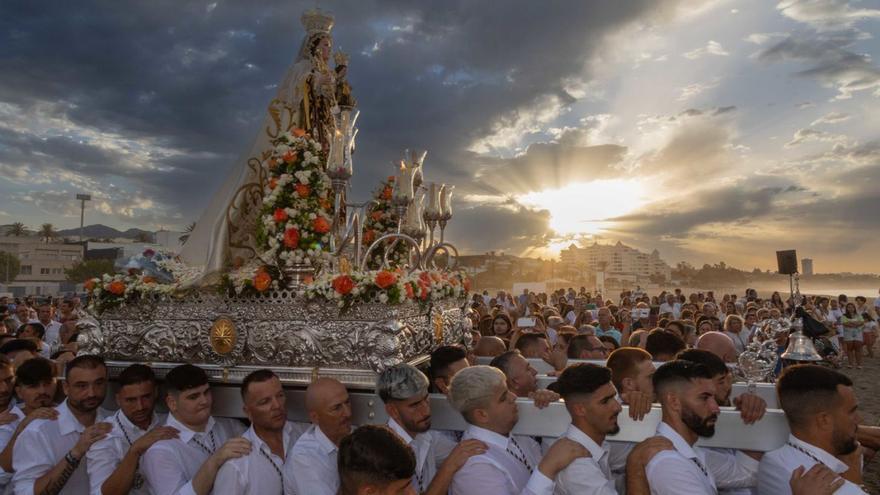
(584, 208)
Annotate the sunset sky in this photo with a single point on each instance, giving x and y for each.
(707, 129)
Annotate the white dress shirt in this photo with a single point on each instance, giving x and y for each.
(6, 432)
(586, 475)
(508, 467)
(310, 467)
(106, 454)
(52, 336)
(674, 308)
(735, 472)
(169, 466)
(258, 473)
(675, 472)
(44, 443)
(430, 449)
(777, 466)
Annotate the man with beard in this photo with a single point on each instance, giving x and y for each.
(591, 400)
(48, 453)
(822, 412)
(446, 361)
(189, 463)
(404, 390)
(375, 461)
(687, 397)
(311, 464)
(114, 461)
(511, 464)
(270, 434)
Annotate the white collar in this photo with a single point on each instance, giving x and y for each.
(129, 426)
(184, 433)
(400, 431)
(67, 422)
(325, 444)
(823, 456)
(678, 441)
(488, 436)
(258, 443)
(596, 451)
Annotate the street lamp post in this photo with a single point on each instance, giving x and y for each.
(82, 212)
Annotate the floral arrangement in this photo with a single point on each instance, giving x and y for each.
(297, 211)
(381, 220)
(148, 274)
(388, 287)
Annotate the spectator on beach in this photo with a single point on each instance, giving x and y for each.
(853, 326)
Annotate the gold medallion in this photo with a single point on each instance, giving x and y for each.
(438, 327)
(223, 336)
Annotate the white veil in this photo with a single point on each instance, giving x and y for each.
(208, 247)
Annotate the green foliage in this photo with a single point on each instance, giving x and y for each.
(9, 267)
(85, 270)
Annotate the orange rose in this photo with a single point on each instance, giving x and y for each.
(148, 280)
(424, 293)
(343, 284)
(376, 216)
(325, 203)
(321, 225)
(272, 163)
(90, 284)
(385, 279)
(466, 283)
(303, 190)
(298, 132)
(369, 236)
(409, 291)
(386, 193)
(273, 183)
(280, 215)
(291, 238)
(308, 280)
(289, 157)
(262, 281)
(436, 277)
(116, 287)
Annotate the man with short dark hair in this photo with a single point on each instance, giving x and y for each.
(11, 412)
(48, 453)
(113, 463)
(591, 401)
(189, 463)
(446, 361)
(374, 461)
(586, 347)
(53, 328)
(663, 346)
(271, 436)
(687, 397)
(35, 388)
(822, 412)
(404, 390)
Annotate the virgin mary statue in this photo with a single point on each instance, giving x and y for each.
(224, 234)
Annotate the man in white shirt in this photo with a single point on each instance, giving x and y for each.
(310, 467)
(687, 396)
(373, 460)
(35, 388)
(822, 412)
(11, 415)
(271, 436)
(189, 463)
(522, 378)
(53, 328)
(511, 465)
(48, 453)
(591, 400)
(114, 462)
(404, 390)
(671, 306)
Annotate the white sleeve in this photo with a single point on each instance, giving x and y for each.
(31, 458)
(584, 477)
(309, 477)
(102, 462)
(482, 478)
(229, 481)
(668, 475)
(164, 473)
(732, 469)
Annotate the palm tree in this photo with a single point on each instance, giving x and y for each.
(47, 232)
(186, 232)
(17, 229)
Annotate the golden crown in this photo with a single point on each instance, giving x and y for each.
(317, 21)
(340, 58)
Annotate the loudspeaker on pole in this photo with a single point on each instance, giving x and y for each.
(787, 261)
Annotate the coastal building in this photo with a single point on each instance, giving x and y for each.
(42, 264)
(617, 261)
(807, 266)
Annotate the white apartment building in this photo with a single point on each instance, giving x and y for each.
(616, 260)
(42, 264)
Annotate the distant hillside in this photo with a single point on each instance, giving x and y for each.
(99, 231)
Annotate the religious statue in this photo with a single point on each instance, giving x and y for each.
(344, 97)
(306, 99)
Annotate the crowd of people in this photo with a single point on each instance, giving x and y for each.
(56, 437)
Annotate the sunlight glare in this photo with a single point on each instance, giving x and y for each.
(586, 207)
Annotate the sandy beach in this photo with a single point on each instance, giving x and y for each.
(868, 392)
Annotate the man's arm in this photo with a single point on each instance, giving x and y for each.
(6, 454)
(456, 459)
(108, 478)
(230, 481)
(203, 481)
(52, 482)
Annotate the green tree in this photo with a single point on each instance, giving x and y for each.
(85, 270)
(9, 267)
(47, 232)
(17, 229)
(144, 237)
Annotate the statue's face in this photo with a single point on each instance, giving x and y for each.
(323, 49)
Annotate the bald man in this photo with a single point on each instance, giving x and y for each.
(310, 466)
(490, 346)
(719, 344)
